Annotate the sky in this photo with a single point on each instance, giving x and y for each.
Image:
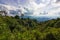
(36, 7)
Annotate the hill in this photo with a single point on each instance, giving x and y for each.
(15, 28)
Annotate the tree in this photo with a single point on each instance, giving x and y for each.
(50, 37)
(17, 17)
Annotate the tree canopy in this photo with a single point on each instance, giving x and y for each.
(15, 28)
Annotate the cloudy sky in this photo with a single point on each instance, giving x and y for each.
(37, 7)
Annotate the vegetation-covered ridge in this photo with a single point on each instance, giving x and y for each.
(15, 28)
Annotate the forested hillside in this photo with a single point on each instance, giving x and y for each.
(15, 28)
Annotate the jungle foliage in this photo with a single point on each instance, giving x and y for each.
(15, 28)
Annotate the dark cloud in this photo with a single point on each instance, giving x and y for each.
(58, 1)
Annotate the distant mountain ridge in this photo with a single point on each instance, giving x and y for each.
(12, 11)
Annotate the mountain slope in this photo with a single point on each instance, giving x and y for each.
(15, 28)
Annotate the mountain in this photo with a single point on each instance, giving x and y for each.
(15, 28)
(12, 11)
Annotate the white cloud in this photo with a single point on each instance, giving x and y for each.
(50, 6)
(45, 5)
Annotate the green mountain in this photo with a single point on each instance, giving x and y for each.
(15, 28)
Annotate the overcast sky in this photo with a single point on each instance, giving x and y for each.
(52, 7)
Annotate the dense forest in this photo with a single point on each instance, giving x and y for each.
(16, 28)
